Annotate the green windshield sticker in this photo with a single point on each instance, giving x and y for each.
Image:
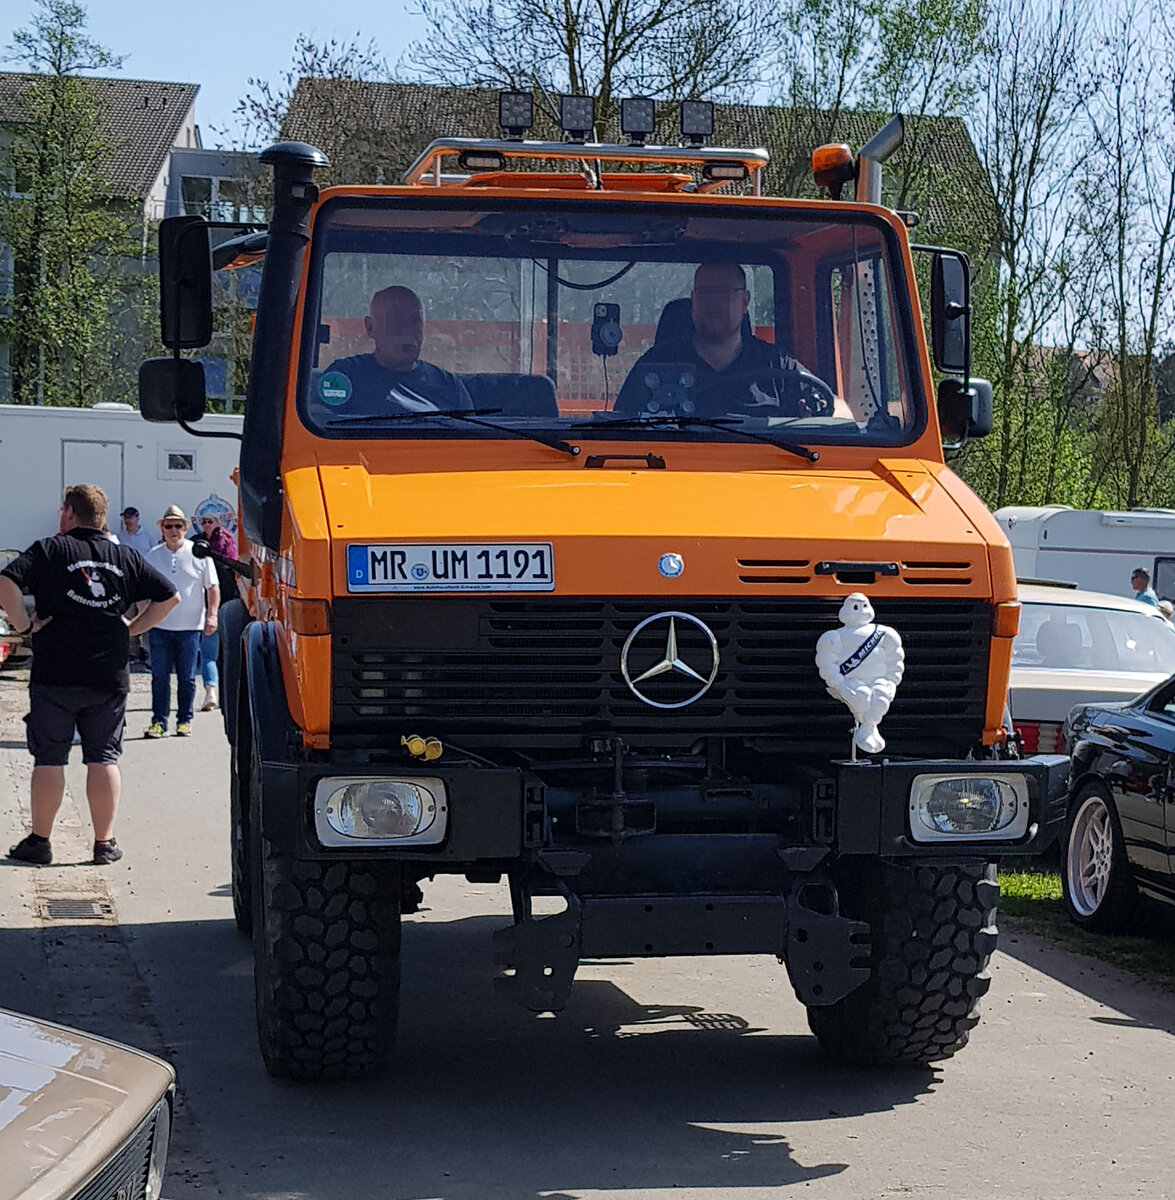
(334, 388)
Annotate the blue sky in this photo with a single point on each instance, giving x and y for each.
(221, 45)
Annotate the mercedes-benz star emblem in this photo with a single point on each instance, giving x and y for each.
(670, 660)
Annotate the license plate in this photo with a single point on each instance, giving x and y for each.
(472, 567)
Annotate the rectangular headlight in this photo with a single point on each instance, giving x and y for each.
(352, 810)
(958, 808)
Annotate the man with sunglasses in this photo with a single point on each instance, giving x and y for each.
(175, 641)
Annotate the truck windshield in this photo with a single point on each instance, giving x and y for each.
(607, 320)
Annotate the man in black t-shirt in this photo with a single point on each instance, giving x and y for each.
(718, 368)
(82, 585)
(392, 378)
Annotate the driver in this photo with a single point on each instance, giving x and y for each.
(393, 377)
(718, 368)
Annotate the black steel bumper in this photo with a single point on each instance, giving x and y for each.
(857, 808)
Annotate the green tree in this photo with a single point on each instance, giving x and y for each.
(65, 237)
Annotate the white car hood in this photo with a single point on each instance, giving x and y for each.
(1048, 694)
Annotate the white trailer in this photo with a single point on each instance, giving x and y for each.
(44, 449)
(1096, 550)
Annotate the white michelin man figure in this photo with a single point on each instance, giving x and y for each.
(861, 665)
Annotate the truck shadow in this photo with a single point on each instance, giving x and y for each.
(1141, 1004)
(485, 1100)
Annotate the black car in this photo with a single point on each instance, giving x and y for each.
(1120, 835)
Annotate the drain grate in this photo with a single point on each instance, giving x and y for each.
(77, 910)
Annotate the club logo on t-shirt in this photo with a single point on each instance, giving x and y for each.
(87, 586)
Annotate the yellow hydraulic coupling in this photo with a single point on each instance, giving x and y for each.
(429, 749)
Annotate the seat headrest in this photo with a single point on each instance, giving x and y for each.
(677, 321)
(1059, 643)
(515, 395)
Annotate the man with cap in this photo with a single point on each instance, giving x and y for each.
(175, 641)
(133, 534)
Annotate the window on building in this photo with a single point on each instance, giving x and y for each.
(196, 194)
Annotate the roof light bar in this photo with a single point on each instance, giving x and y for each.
(577, 117)
(515, 114)
(697, 121)
(638, 119)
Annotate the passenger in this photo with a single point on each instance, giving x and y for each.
(720, 367)
(392, 378)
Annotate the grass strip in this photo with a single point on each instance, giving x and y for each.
(1032, 899)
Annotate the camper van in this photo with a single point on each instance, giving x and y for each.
(1093, 549)
(44, 449)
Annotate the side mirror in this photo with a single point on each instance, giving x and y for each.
(171, 389)
(964, 412)
(185, 283)
(950, 312)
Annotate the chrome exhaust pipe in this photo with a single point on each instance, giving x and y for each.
(873, 153)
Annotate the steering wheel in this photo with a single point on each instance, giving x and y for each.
(806, 392)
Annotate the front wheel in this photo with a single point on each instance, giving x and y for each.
(1099, 891)
(326, 959)
(933, 932)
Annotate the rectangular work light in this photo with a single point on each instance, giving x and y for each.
(637, 118)
(515, 113)
(697, 121)
(577, 116)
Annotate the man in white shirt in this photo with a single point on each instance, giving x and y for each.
(133, 534)
(176, 639)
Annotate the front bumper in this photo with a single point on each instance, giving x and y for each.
(498, 815)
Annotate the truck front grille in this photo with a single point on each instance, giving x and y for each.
(513, 667)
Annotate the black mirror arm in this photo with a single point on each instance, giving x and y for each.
(208, 433)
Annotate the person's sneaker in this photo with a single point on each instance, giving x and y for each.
(32, 850)
(154, 730)
(106, 852)
(209, 699)
(183, 729)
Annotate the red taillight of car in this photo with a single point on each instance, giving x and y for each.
(1040, 738)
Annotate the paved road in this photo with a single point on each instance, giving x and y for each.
(686, 1078)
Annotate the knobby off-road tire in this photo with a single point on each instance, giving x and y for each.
(326, 961)
(239, 846)
(933, 933)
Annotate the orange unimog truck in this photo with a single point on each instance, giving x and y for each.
(551, 480)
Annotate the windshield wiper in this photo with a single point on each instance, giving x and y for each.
(726, 424)
(469, 415)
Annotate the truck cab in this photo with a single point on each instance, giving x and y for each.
(554, 471)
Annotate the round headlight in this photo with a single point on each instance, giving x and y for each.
(969, 806)
(381, 808)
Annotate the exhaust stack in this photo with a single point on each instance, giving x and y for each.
(873, 153)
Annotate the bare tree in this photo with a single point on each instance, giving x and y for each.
(1129, 186)
(666, 49)
(1030, 136)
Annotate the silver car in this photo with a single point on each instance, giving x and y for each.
(1078, 647)
(80, 1116)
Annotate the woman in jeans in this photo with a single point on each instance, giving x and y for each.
(220, 541)
(176, 639)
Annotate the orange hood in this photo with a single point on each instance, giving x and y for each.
(608, 527)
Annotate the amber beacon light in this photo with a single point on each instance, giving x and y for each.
(833, 167)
